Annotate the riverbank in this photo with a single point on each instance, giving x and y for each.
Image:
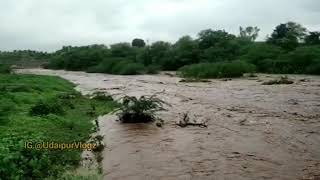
(40, 117)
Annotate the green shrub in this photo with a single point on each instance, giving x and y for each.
(152, 69)
(142, 110)
(42, 108)
(216, 70)
(105, 66)
(118, 66)
(5, 69)
(259, 52)
(297, 61)
(314, 69)
(6, 106)
(128, 68)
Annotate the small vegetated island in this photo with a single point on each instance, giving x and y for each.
(43, 108)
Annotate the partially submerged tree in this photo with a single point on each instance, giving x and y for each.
(142, 110)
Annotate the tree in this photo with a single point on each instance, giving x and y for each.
(186, 52)
(209, 38)
(287, 35)
(138, 43)
(249, 33)
(144, 56)
(313, 38)
(218, 45)
(121, 50)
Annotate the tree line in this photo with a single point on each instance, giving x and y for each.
(290, 48)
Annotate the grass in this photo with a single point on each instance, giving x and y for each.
(216, 70)
(21, 99)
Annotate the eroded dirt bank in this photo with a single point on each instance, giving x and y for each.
(254, 131)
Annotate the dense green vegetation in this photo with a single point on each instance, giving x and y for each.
(43, 109)
(142, 110)
(5, 69)
(290, 48)
(26, 58)
(217, 70)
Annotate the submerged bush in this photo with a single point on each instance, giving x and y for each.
(142, 110)
(217, 70)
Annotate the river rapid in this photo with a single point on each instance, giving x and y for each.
(253, 131)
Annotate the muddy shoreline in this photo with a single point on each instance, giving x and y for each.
(254, 131)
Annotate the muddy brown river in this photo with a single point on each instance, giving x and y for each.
(253, 131)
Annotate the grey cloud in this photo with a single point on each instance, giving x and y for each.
(47, 25)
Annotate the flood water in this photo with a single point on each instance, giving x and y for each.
(253, 131)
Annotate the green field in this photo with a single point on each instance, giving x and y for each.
(39, 109)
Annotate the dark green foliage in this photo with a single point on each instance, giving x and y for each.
(152, 69)
(42, 108)
(106, 66)
(128, 68)
(185, 52)
(5, 69)
(249, 33)
(6, 106)
(118, 66)
(218, 46)
(142, 110)
(209, 38)
(289, 49)
(78, 58)
(25, 58)
(217, 70)
(138, 43)
(260, 52)
(313, 69)
(313, 38)
(123, 50)
(287, 35)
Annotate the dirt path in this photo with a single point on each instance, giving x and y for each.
(254, 131)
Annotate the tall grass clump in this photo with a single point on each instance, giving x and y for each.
(217, 70)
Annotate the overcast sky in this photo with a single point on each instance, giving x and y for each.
(49, 24)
